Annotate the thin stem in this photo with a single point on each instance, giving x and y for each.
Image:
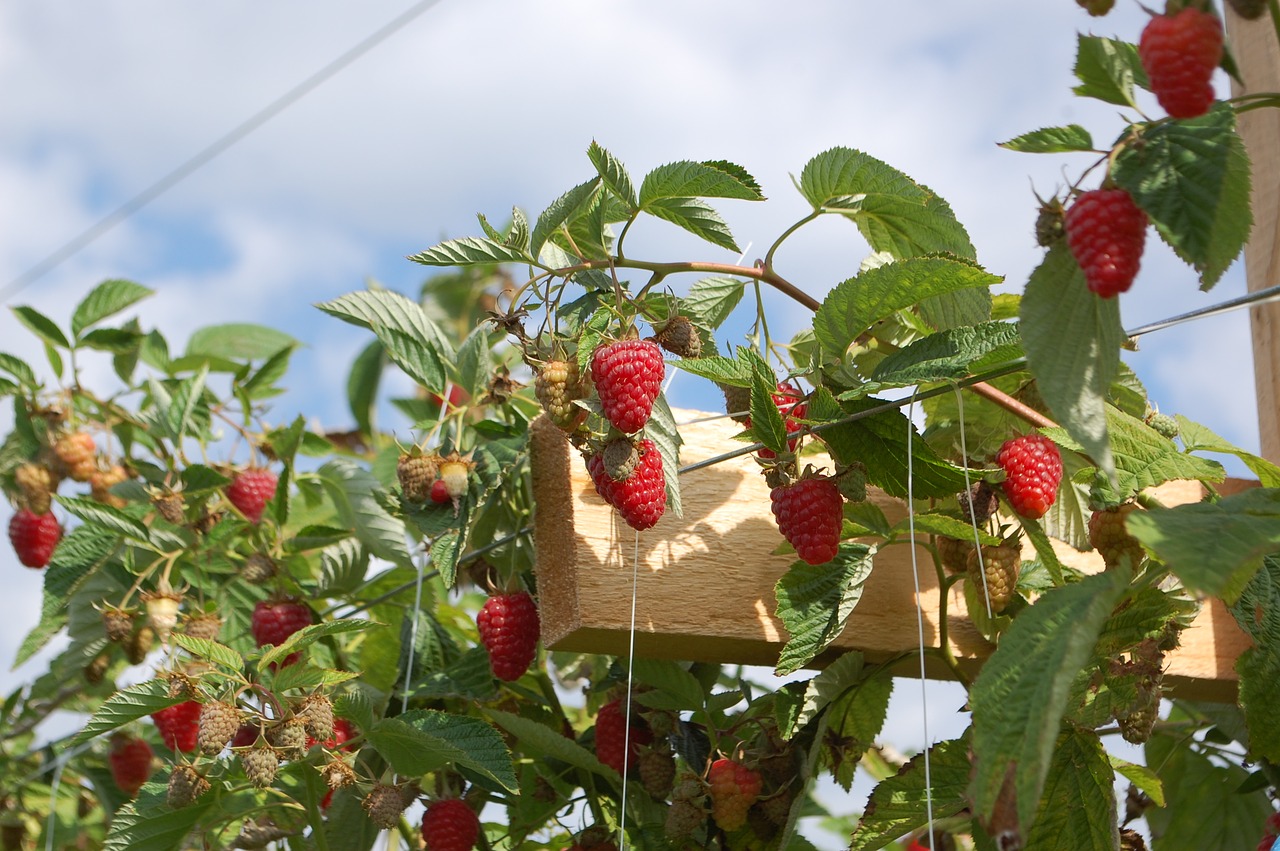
(768, 257)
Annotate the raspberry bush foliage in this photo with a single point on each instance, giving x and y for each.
(269, 630)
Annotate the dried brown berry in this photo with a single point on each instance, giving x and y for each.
(416, 473)
(205, 625)
(679, 336)
(118, 623)
(384, 804)
(257, 569)
(139, 645)
(171, 506)
(620, 459)
(337, 774)
(185, 786)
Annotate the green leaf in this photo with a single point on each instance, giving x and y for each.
(1072, 338)
(157, 829)
(238, 341)
(1020, 696)
(445, 551)
(711, 300)
(613, 173)
(1145, 779)
(900, 804)
(128, 704)
(1044, 548)
(560, 211)
(815, 601)
(117, 341)
(695, 216)
(854, 305)
(941, 524)
(536, 738)
(671, 679)
(413, 340)
(362, 385)
(1052, 140)
(827, 686)
(664, 433)
(353, 490)
(424, 740)
(43, 327)
(469, 251)
(1193, 179)
(1107, 70)
(1197, 438)
(1078, 809)
(343, 566)
(767, 424)
(309, 635)
(20, 370)
(218, 654)
(188, 398)
(685, 180)
(720, 369)
(956, 309)
(1203, 808)
(854, 720)
(1214, 548)
(106, 517)
(261, 384)
(198, 477)
(106, 299)
(950, 355)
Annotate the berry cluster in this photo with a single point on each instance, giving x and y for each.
(641, 498)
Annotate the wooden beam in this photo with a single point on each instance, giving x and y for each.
(705, 581)
(1257, 52)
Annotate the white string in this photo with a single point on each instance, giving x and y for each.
(973, 521)
(626, 726)
(53, 799)
(915, 573)
(413, 631)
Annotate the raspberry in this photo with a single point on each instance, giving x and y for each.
(683, 818)
(130, 761)
(734, 788)
(1273, 824)
(1179, 53)
(620, 459)
(102, 481)
(1108, 536)
(953, 553)
(1137, 722)
(979, 503)
(260, 764)
(162, 610)
(628, 377)
(852, 482)
(455, 472)
(185, 785)
(250, 491)
(439, 492)
(96, 670)
(1106, 233)
(788, 399)
(247, 734)
(457, 398)
(343, 732)
(657, 769)
(34, 537)
(642, 498)
(416, 473)
(611, 728)
(274, 621)
(219, 722)
(206, 625)
(118, 623)
(337, 774)
(257, 569)
(290, 739)
(810, 514)
(593, 839)
(999, 570)
(179, 725)
(139, 645)
(1032, 469)
(37, 483)
(679, 336)
(76, 455)
(450, 825)
(384, 804)
(557, 387)
(509, 630)
(1163, 424)
(317, 710)
(737, 402)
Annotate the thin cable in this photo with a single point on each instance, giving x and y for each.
(53, 799)
(973, 520)
(1253, 299)
(249, 125)
(915, 573)
(626, 725)
(413, 630)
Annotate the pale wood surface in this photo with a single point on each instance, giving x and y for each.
(705, 582)
(1257, 52)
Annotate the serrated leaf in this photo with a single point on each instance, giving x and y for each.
(815, 601)
(128, 704)
(186, 400)
(362, 385)
(941, 524)
(854, 720)
(719, 369)
(900, 804)
(106, 299)
(1044, 548)
(1020, 696)
(672, 679)
(854, 305)
(469, 251)
(664, 433)
(237, 341)
(343, 565)
(1108, 70)
(44, 328)
(198, 477)
(833, 681)
(711, 300)
(445, 551)
(551, 744)
(1052, 140)
(261, 384)
(19, 369)
(1078, 809)
(1072, 339)
(157, 829)
(424, 740)
(1193, 179)
(767, 424)
(1214, 548)
(950, 355)
(1142, 777)
(1197, 438)
(695, 216)
(403, 326)
(309, 635)
(473, 361)
(309, 677)
(687, 180)
(114, 340)
(560, 211)
(613, 173)
(353, 490)
(106, 517)
(218, 654)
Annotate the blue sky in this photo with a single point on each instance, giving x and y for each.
(479, 105)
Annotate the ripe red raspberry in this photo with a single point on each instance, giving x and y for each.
(440, 492)
(593, 839)
(509, 630)
(810, 514)
(34, 537)
(1179, 53)
(247, 734)
(179, 725)
(642, 498)
(734, 788)
(1109, 537)
(275, 620)
(450, 825)
(130, 761)
(788, 399)
(611, 732)
(250, 491)
(628, 377)
(343, 732)
(1032, 469)
(1106, 233)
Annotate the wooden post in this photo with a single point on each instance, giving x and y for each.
(1257, 52)
(705, 582)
